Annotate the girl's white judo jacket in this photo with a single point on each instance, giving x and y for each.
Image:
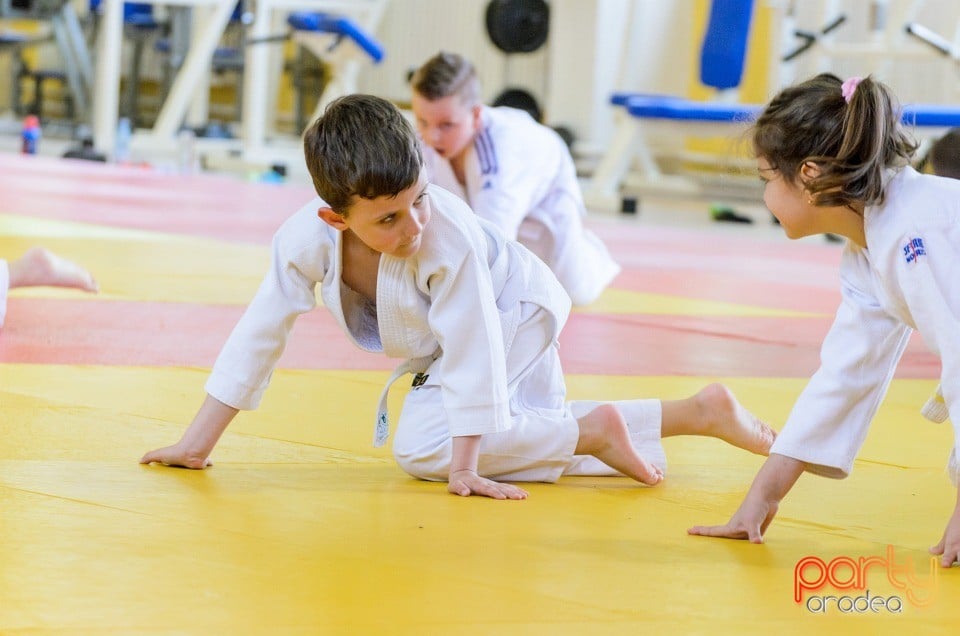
(905, 279)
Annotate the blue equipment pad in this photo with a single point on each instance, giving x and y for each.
(327, 23)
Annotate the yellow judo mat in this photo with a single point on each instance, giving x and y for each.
(302, 527)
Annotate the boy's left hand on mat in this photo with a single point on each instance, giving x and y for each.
(467, 482)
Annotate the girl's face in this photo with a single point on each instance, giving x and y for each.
(447, 124)
(790, 203)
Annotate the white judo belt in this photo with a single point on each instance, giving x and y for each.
(381, 431)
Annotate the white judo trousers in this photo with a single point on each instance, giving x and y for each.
(540, 444)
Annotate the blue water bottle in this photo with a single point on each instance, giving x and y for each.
(121, 150)
(31, 135)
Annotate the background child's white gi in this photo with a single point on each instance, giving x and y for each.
(520, 176)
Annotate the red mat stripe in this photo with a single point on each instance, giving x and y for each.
(57, 331)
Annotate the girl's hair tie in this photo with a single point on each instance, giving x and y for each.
(848, 86)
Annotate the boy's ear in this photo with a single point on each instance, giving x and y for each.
(477, 112)
(331, 218)
(809, 171)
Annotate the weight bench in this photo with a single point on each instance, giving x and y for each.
(640, 115)
(324, 35)
(641, 112)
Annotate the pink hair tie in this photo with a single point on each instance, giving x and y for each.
(848, 86)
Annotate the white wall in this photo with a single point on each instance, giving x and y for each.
(572, 76)
(414, 30)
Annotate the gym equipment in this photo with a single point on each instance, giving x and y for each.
(323, 34)
(66, 31)
(722, 62)
(518, 26)
(520, 99)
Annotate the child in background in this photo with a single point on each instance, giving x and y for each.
(407, 269)
(513, 171)
(945, 155)
(835, 158)
(40, 267)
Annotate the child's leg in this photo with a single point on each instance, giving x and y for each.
(715, 412)
(41, 267)
(547, 438)
(640, 419)
(537, 447)
(606, 435)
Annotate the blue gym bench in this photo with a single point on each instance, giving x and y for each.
(642, 117)
(640, 113)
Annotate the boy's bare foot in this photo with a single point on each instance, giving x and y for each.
(41, 267)
(604, 434)
(722, 416)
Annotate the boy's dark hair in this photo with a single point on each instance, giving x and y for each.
(945, 155)
(361, 146)
(447, 74)
(852, 143)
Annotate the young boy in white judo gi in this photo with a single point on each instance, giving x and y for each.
(513, 171)
(408, 269)
(39, 267)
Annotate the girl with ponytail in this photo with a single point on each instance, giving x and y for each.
(834, 158)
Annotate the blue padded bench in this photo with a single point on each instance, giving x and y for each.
(722, 60)
(337, 25)
(642, 113)
(324, 34)
(939, 115)
(647, 106)
(678, 109)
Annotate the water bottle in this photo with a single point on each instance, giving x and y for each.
(121, 147)
(31, 135)
(186, 145)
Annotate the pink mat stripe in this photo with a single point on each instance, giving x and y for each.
(58, 331)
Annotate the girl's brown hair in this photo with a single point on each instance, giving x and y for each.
(852, 143)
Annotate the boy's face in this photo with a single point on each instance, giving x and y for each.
(389, 225)
(447, 124)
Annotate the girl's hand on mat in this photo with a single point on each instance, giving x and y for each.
(467, 482)
(749, 522)
(775, 479)
(176, 456)
(949, 546)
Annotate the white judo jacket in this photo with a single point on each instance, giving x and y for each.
(906, 279)
(457, 301)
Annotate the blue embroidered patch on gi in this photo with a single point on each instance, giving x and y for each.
(913, 250)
